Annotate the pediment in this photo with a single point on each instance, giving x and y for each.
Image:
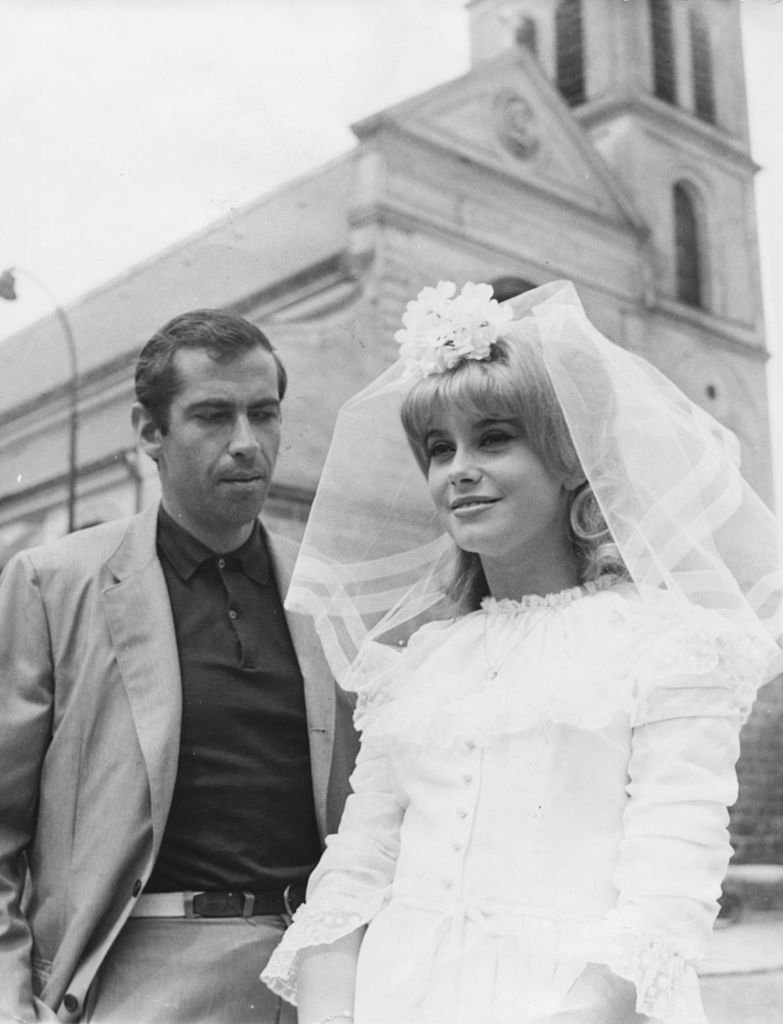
(508, 117)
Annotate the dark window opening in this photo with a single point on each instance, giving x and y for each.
(701, 60)
(664, 75)
(688, 255)
(570, 52)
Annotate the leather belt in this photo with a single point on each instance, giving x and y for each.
(219, 904)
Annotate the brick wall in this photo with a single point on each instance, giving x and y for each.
(757, 817)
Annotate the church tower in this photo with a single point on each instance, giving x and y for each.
(659, 88)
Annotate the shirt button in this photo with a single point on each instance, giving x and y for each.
(462, 812)
(71, 1003)
(467, 777)
(457, 846)
(221, 563)
(447, 883)
(233, 614)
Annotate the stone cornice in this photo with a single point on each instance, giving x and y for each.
(666, 117)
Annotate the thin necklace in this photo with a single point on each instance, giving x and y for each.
(494, 669)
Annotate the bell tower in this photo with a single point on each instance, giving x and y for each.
(659, 87)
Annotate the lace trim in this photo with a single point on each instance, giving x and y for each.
(662, 969)
(651, 661)
(317, 925)
(560, 599)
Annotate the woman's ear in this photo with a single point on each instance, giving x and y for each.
(573, 481)
(148, 434)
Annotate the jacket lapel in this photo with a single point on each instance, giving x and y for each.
(142, 628)
(318, 684)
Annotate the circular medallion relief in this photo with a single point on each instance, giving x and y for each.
(515, 123)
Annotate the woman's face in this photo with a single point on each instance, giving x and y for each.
(493, 493)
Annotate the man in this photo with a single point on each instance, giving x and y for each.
(172, 748)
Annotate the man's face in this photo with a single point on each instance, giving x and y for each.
(217, 456)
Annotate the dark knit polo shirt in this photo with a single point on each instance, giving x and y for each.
(242, 815)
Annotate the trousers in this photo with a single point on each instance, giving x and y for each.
(164, 970)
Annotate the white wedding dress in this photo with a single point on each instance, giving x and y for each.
(542, 784)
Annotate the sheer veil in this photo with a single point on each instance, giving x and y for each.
(375, 562)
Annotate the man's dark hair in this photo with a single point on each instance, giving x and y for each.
(223, 335)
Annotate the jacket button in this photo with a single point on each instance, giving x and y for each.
(137, 887)
(71, 1003)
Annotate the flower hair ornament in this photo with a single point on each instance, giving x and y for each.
(375, 562)
(442, 328)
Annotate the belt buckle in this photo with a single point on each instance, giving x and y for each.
(187, 899)
(289, 899)
(248, 904)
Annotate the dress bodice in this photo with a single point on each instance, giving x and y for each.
(525, 767)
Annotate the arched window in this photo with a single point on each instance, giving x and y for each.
(687, 247)
(570, 51)
(664, 77)
(701, 62)
(526, 35)
(507, 286)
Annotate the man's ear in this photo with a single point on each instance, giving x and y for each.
(147, 431)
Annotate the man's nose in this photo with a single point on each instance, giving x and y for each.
(243, 438)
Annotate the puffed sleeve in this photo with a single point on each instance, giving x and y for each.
(692, 699)
(353, 878)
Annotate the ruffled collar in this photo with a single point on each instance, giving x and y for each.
(560, 599)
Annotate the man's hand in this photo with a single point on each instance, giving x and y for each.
(598, 997)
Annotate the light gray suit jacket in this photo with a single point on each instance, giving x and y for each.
(90, 706)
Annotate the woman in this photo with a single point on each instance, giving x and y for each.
(538, 830)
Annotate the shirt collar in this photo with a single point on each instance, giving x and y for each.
(187, 554)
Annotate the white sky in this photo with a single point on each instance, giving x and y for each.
(129, 124)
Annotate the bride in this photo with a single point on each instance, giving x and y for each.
(552, 670)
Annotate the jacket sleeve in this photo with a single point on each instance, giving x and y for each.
(675, 848)
(26, 704)
(353, 878)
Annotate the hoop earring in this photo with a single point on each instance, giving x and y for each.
(580, 514)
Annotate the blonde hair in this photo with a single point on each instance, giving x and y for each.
(513, 384)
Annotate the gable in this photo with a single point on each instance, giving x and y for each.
(506, 116)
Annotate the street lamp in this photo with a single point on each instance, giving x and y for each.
(8, 292)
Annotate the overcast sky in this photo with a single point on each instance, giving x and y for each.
(129, 124)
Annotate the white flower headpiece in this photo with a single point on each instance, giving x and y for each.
(440, 330)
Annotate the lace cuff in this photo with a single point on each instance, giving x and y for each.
(661, 968)
(318, 924)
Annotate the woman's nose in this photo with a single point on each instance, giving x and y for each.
(463, 468)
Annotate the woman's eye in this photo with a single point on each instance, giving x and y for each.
(495, 437)
(438, 450)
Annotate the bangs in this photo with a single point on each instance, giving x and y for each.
(512, 385)
(496, 388)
